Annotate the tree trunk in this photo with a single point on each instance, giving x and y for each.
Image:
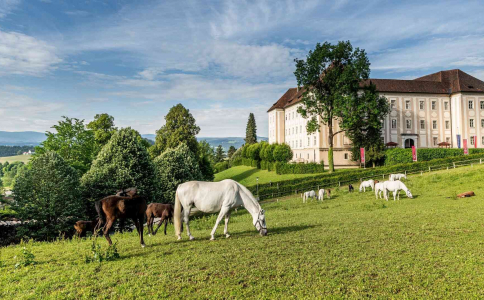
(373, 163)
(330, 151)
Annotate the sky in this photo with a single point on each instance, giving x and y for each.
(220, 59)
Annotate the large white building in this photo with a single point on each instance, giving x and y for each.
(446, 106)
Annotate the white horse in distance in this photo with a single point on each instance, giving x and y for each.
(395, 187)
(307, 195)
(379, 190)
(394, 177)
(367, 184)
(322, 192)
(212, 197)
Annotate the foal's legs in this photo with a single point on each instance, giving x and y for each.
(141, 220)
(159, 225)
(226, 228)
(223, 212)
(109, 223)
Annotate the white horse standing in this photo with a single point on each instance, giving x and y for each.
(395, 187)
(307, 195)
(379, 189)
(321, 195)
(394, 177)
(367, 184)
(212, 197)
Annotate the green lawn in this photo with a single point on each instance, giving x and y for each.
(352, 246)
(247, 175)
(11, 159)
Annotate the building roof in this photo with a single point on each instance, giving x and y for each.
(443, 82)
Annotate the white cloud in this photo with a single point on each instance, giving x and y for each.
(25, 55)
(7, 6)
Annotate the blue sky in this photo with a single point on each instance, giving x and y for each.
(221, 59)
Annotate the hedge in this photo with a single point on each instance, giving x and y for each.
(267, 165)
(221, 166)
(309, 168)
(288, 187)
(400, 155)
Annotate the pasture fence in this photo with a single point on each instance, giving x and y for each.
(280, 190)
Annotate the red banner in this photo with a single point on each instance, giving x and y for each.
(466, 151)
(362, 155)
(475, 141)
(414, 153)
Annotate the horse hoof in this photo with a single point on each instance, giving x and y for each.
(179, 238)
(191, 238)
(212, 238)
(143, 245)
(227, 235)
(149, 234)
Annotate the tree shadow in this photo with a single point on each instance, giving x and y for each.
(277, 230)
(244, 175)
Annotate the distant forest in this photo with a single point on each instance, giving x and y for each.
(14, 150)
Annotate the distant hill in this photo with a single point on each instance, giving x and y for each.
(21, 138)
(32, 138)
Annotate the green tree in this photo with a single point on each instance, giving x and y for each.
(103, 128)
(179, 128)
(176, 166)
(231, 151)
(122, 163)
(219, 154)
(331, 76)
(251, 131)
(48, 193)
(206, 160)
(10, 171)
(282, 153)
(72, 141)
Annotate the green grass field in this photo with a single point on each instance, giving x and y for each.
(10, 159)
(352, 246)
(247, 175)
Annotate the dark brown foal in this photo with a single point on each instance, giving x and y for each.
(82, 227)
(118, 207)
(158, 210)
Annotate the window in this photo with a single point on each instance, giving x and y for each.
(435, 141)
(407, 104)
(422, 124)
(347, 156)
(434, 124)
(309, 140)
(293, 130)
(296, 130)
(293, 115)
(300, 128)
(409, 124)
(471, 123)
(447, 124)
(446, 105)
(422, 105)
(482, 140)
(286, 117)
(447, 139)
(300, 143)
(482, 104)
(392, 104)
(383, 124)
(482, 123)
(394, 124)
(434, 103)
(314, 140)
(472, 140)
(308, 155)
(471, 104)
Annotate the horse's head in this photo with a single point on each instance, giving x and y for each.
(260, 223)
(409, 195)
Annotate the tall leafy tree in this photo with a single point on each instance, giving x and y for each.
(179, 128)
(219, 154)
(72, 141)
(206, 160)
(331, 76)
(231, 151)
(251, 131)
(103, 128)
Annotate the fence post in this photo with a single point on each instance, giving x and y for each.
(447, 167)
(480, 161)
(454, 164)
(421, 173)
(405, 172)
(318, 188)
(429, 169)
(383, 176)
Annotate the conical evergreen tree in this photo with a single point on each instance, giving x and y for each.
(251, 131)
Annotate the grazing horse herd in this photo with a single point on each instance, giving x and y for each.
(394, 184)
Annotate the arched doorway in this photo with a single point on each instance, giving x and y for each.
(409, 143)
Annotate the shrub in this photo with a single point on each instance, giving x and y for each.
(47, 195)
(282, 153)
(253, 151)
(400, 155)
(267, 165)
(221, 166)
(176, 166)
(309, 168)
(122, 163)
(25, 258)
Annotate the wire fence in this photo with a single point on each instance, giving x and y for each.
(383, 176)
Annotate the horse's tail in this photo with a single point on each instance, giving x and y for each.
(177, 216)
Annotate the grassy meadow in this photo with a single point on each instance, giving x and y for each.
(11, 159)
(248, 175)
(351, 246)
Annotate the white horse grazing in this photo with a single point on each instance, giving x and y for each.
(379, 190)
(212, 197)
(321, 195)
(394, 177)
(367, 184)
(395, 187)
(307, 195)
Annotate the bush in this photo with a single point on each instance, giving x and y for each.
(47, 195)
(282, 153)
(351, 175)
(309, 168)
(253, 151)
(267, 165)
(221, 166)
(122, 163)
(400, 155)
(176, 166)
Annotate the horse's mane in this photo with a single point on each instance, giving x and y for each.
(243, 191)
